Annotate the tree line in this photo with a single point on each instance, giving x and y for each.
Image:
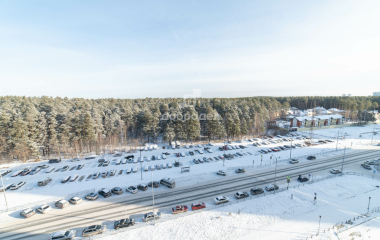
(35, 127)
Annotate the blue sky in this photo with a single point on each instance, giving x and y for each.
(134, 49)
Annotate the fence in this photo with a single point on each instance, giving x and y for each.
(49, 201)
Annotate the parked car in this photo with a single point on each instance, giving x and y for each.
(44, 182)
(198, 205)
(179, 209)
(44, 208)
(112, 172)
(65, 179)
(93, 230)
(191, 153)
(142, 187)
(106, 163)
(34, 171)
(27, 213)
(311, 157)
(63, 235)
(335, 171)
(54, 160)
(26, 171)
(302, 179)
(105, 192)
(176, 164)
(372, 162)
(132, 189)
(65, 168)
(196, 161)
(91, 196)
(240, 195)
(15, 174)
(122, 223)
(61, 203)
(80, 166)
(271, 187)
(256, 191)
(75, 200)
(17, 186)
(240, 170)
(221, 157)
(95, 175)
(221, 199)
(73, 178)
(150, 216)
(221, 172)
(155, 184)
(117, 190)
(366, 166)
(293, 160)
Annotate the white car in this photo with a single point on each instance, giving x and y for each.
(17, 186)
(200, 146)
(210, 144)
(153, 167)
(95, 175)
(335, 171)
(148, 159)
(124, 161)
(221, 199)
(200, 151)
(66, 234)
(50, 170)
(44, 208)
(164, 156)
(135, 160)
(170, 165)
(159, 157)
(128, 170)
(293, 161)
(135, 169)
(146, 168)
(75, 159)
(221, 172)
(132, 189)
(209, 150)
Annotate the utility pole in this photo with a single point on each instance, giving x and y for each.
(224, 150)
(2, 183)
(275, 175)
(319, 224)
(373, 131)
(344, 153)
(154, 214)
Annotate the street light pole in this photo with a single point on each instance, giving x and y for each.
(319, 224)
(141, 165)
(224, 150)
(373, 131)
(2, 183)
(369, 201)
(291, 146)
(275, 175)
(337, 139)
(154, 215)
(344, 154)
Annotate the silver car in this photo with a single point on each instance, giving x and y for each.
(61, 203)
(27, 213)
(91, 196)
(63, 235)
(150, 216)
(93, 230)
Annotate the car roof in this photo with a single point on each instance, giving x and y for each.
(59, 233)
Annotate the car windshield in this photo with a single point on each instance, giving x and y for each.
(67, 233)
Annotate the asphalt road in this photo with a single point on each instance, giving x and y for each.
(106, 212)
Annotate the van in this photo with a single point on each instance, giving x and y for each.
(169, 182)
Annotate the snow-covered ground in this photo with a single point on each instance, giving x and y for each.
(274, 216)
(31, 193)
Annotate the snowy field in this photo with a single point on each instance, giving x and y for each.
(34, 195)
(274, 216)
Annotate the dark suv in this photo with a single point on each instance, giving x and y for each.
(155, 184)
(54, 160)
(311, 157)
(122, 223)
(142, 187)
(105, 192)
(255, 191)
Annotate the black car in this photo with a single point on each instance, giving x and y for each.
(129, 156)
(153, 157)
(105, 192)
(302, 179)
(117, 190)
(255, 191)
(89, 158)
(191, 153)
(142, 187)
(176, 164)
(155, 184)
(242, 146)
(54, 160)
(311, 158)
(6, 172)
(122, 223)
(221, 148)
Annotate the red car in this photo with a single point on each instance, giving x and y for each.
(274, 150)
(26, 172)
(225, 147)
(197, 206)
(270, 136)
(178, 154)
(221, 157)
(179, 209)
